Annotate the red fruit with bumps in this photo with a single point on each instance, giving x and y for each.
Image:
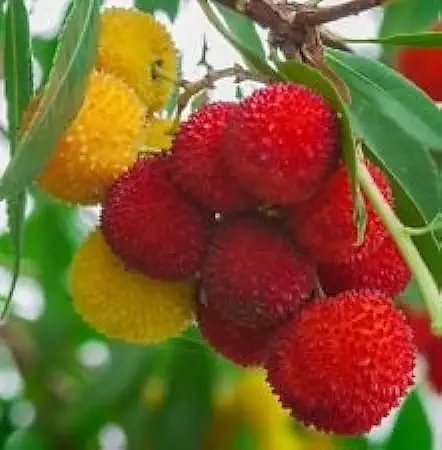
(252, 274)
(149, 224)
(243, 345)
(282, 142)
(420, 324)
(196, 163)
(324, 224)
(383, 270)
(434, 360)
(423, 66)
(344, 363)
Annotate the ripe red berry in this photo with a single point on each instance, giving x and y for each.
(242, 345)
(434, 360)
(282, 142)
(383, 270)
(423, 66)
(197, 166)
(252, 274)
(150, 226)
(420, 324)
(324, 224)
(344, 363)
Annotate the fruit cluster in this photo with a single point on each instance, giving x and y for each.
(253, 203)
(242, 224)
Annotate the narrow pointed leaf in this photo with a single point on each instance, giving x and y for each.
(60, 100)
(424, 39)
(18, 90)
(387, 91)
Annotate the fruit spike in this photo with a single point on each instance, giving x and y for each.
(150, 226)
(383, 270)
(345, 362)
(423, 66)
(243, 345)
(324, 224)
(282, 143)
(197, 166)
(252, 274)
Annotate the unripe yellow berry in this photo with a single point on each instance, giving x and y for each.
(159, 134)
(100, 143)
(130, 44)
(123, 303)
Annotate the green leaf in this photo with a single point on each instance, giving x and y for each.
(302, 73)
(170, 7)
(27, 439)
(424, 39)
(18, 90)
(44, 52)
(402, 16)
(253, 60)
(187, 409)
(412, 429)
(387, 91)
(243, 28)
(411, 169)
(61, 98)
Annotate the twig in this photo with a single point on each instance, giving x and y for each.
(190, 89)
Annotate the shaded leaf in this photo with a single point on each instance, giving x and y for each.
(44, 51)
(412, 429)
(243, 28)
(387, 91)
(254, 61)
(424, 39)
(170, 7)
(18, 90)
(61, 97)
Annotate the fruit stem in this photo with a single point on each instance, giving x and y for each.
(419, 269)
(434, 225)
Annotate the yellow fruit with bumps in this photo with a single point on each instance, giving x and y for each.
(100, 143)
(123, 303)
(131, 45)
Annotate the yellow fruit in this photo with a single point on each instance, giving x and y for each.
(280, 438)
(130, 44)
(256, 403)
(100, 143)
(125, 304)
(159, 134)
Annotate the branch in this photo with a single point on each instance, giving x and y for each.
(319, 16)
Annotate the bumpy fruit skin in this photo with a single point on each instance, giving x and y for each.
(282, 142)
(100, 143)
(243, 345)
(344, 363)
(150, 226)
(324, 224)
(130, 43)
(123, 303)
(252, 274)
(199, 169)
(423, 66)
(383, 270)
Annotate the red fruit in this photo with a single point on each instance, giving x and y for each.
(344, 363)
(282, 142)
(253, 276)
(420, 324)
(243, 345)
(383, 270)
(324, 224)
(423, 66)
(434, 360)
(150, 226)
(197, 166)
